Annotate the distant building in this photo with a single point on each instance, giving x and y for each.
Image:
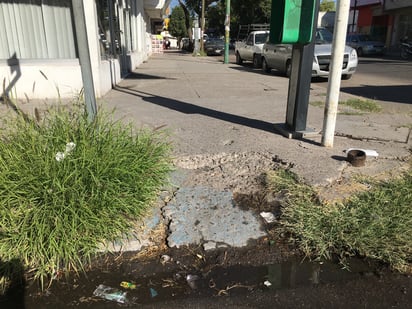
(386, 20)
(38, 52)
(326, 20)
(400, 23)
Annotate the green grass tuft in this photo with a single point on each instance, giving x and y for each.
(375, 224)
(359, 105)
(55, 214)
(363, 105)
(317, 103)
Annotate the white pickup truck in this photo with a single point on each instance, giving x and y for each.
(251, 48)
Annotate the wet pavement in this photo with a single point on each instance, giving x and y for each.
(174, 284)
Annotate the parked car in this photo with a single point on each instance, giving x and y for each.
(184, 43)
(365, 45)
(279, 57)
(251, 48)
(214, 46)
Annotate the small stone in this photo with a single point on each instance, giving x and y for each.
(268, 216)
(209, 245)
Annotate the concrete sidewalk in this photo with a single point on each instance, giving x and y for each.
(221, 121)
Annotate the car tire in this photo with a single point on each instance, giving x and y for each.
(346, 76)
(257, 62)
(265, 66)
(288, 69)
(404, 53)
(360, 52)
(239, 59)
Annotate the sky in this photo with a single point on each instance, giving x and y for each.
(173, 3)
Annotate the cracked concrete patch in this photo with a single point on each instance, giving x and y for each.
(202, 215)
(147, 232)
(237, 172)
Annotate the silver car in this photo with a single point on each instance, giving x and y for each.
(365, 45)
(279, 57)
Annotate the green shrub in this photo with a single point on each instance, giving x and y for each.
(67, 186)
(375, 224)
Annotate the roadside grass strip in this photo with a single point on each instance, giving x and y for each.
(357, 106)
(67, 186)
(363, 105)
(376, 224)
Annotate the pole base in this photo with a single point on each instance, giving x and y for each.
(287, 132)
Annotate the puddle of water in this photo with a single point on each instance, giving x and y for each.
(158, 287)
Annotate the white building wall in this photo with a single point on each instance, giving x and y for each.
(139, 53)
(42, 79)
(61, 78)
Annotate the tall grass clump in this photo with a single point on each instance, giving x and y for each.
(67, 186)
(376, 224)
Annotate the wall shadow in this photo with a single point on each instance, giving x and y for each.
(134, 75)
(14, 64)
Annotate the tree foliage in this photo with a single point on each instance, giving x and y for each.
(242, 12)
(215, 19)
(177, 26)
(251, 12)
(327, 6)
(196, 5)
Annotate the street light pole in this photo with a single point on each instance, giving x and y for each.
(332, 96)
(354, 15)
(202, 48)
(227, 32)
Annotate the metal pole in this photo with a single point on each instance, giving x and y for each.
(354, 15)
(227, 31)
(299, 84)
(202, 49)
(84, 59)
(338, 49)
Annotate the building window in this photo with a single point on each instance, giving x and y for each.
(115, 20)
(37, 29)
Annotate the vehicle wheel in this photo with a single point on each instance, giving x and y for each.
(288, 68)
(257, 63)
(360, 52)
(404, 53)
(265, 66)
(239, 59)
(346, 76)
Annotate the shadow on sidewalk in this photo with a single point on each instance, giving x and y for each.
(391, 93)
(188, 108)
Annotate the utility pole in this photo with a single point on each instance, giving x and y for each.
(202, 47)
(354, 16)
(335, 73)
(227, 31)
(84, 58)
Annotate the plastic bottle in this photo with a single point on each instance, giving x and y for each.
(110, 293)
